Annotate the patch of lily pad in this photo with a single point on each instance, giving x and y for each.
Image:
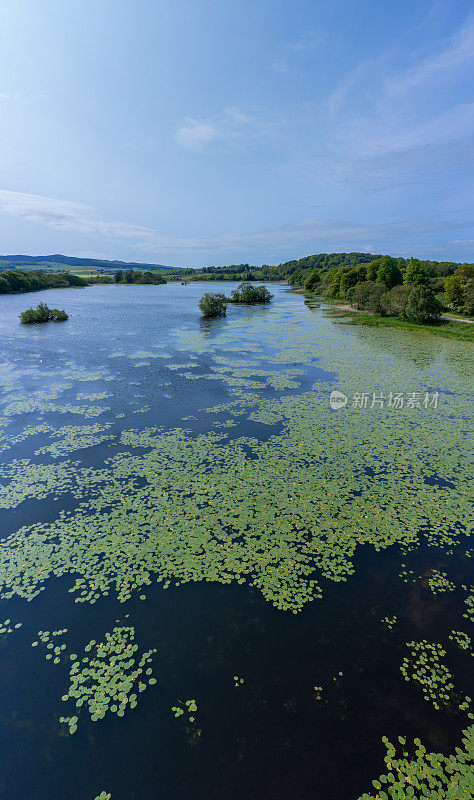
(422, 775)
(439, 582)
(424, 666)
(7, 626)
(109, 677)
(469, 601)
(54, 647)
(462, 640)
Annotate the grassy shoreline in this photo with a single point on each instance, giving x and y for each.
(448, 330)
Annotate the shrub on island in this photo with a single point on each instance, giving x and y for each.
(213, 304)
(42, 314)
(246, 292)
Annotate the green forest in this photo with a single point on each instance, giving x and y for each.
(13, 280)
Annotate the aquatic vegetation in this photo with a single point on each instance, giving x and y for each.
(7, 626)
(407, 575)
(426, 774)
(463, 641)
(247, 509)
(93, 395)
(10, 440)
(109, 676)
(283, 510)
(55, 651)
(469, 601)
(103, 796)
(439, 582)
(424, 667)
(75, 437)
(190, 708)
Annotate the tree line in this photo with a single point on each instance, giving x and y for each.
(14, 280)
(413, 289)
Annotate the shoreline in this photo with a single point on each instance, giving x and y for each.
(446, 327)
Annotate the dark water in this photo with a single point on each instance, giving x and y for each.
(270, 738)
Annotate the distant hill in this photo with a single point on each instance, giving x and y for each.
(58, 261)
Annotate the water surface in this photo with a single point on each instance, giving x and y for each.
(147, 453)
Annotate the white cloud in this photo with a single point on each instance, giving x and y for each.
(376, 136)
(399, 140)
(308, 43)
(311, 234)
(306, 235)
(232, 126)
(457, 54)
(65, 214)
(195, 134)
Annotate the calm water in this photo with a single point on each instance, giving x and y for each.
(139, 358)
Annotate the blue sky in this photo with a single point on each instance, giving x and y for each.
(213, 131)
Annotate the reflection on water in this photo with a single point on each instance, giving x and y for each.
(187, 481)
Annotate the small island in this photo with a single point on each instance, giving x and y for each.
(214, 304)
(42, 314)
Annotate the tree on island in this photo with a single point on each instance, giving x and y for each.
(213, 304)
(42, 314)
(248, 293)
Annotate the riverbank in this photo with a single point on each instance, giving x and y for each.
(446, 327)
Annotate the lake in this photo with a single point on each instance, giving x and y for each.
(223, 587)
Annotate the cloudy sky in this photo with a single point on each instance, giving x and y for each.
(214, 131)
